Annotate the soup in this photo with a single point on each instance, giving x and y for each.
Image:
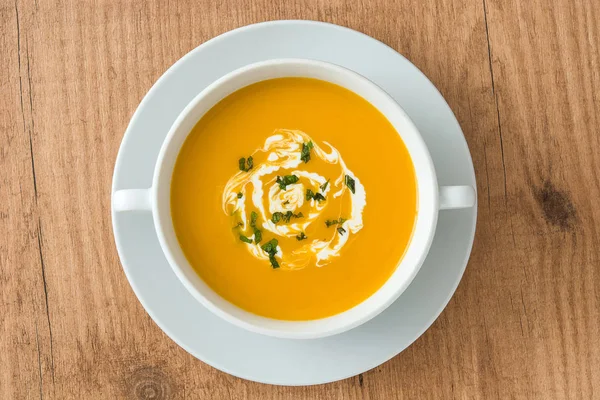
(294, 199)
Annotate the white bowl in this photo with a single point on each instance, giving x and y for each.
(429, 198)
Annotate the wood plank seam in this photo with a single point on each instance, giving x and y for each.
(39, 238)
(495, 93)
(39, 357)
(30, 130)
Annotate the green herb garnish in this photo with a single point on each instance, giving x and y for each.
(312, 195)
(257, 232)
(350, 183)
(240, 195)
(324, 186)
(331, 222)
(286, 180)
(285, 217)
(257, 236)
(246, 165)
(301, 236)
(271, 249)
(279, 216)
(341, 230)
(305, 154)
(285, 203)
(274, 262)
(245, 239)
(276, 217)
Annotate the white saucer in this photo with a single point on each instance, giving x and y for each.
(252, 356)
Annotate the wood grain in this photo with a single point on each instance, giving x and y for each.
(523, 80)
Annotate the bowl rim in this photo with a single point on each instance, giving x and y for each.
(255, 323)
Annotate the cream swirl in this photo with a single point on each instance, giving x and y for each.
(281, 155)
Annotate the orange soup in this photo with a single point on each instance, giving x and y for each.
(294, 199)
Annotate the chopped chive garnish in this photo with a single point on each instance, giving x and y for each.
(288, 216)
(279, 216)
(257, 232)
(276, 217)
(246, 165)
(271, 249)
(301, 236)
(319, 197)
(350, 183)
(309, 194)
(286, 180)
(331, 222)
(324, 186)
(257, 236)
(341, 230)
(305, 154)
(312, 195)
(245, 239)
(274, 262)
(240, 195)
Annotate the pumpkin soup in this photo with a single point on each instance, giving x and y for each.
(294, 198)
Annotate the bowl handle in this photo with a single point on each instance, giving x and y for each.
(132, 200)
(453, 197)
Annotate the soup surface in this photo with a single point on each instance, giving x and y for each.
(294, 199)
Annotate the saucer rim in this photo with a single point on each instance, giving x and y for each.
(119, 160)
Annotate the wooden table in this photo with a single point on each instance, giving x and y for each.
(523, 78)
